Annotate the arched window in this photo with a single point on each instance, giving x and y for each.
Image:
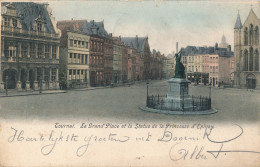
(256, 60)
(245, 36)
(256, 35)
(251, 34)
(245, 60)
(251, 65)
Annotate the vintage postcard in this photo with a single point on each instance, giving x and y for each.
(130, 83)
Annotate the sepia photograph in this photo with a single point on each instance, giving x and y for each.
(130, 83)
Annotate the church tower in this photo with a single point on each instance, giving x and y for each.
(237, 49)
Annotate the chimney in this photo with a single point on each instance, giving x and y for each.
(216, 46)
(177, 47)
(229, 48)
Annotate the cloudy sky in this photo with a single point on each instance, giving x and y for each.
(195, 23)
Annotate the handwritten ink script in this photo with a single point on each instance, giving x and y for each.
(184, 141)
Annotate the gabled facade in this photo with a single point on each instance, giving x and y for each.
(246, 43)
(29, 47)
(142, 46)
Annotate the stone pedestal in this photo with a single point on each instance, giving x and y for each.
(57, 86)
(178, 95)
(35, 85)
(44, 85)
(2, 87)
(27, 85)
(19, 85)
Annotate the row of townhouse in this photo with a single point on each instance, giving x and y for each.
(38, 53)
(209, 65)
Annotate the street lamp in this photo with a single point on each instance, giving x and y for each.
(183, 98)
(147, 95)
(6, 84)
(40, 91)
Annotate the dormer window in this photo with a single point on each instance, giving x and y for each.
(14, 21)
(7, 22)
(39, 26)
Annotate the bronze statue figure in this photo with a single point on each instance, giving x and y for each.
(179, 68)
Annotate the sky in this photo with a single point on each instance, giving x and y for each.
(197, 23)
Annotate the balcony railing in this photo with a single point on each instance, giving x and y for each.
(33, 33)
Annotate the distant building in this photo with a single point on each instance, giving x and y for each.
(100, 49)
(29, 47)
(142, 46)
(247, 74)
(74, 59)
(117, 60)
(223, 43)
(208, 65)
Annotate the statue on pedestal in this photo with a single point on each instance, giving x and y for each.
(179, 68)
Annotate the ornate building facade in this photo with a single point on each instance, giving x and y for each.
(29, 47)
(143, 47)
(246, 43)
(74, 59)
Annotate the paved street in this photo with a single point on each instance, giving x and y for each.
(121, 104)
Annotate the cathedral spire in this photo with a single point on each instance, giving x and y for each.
(238, 24)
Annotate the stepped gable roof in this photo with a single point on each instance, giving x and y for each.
(94, 28)
(29, 12)
(136, 42)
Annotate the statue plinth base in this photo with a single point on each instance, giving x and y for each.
(178, 95)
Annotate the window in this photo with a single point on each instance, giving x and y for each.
(46, 74)
(246, 36)
(256, 60)
(32, 49)
(14, 21)
(82, 43)
(86, 59)
(82, 59)
(39, 74)
(71, 55)
(75, 55)
(81, 72)
(71, 43)
(78, 72)
(7, 22)
(75, 43)
(24, 49)
(245, 60)
(78, 43)
(251, 59)
(256, 35)
(54, 51)
(53, 74)
(47, 51)
(40, 50)
(39, 26)
(251, 34)
(70, 72)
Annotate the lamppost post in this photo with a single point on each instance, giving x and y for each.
(6, 84)
(40, 91)
(147, 95)
(183, 98)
